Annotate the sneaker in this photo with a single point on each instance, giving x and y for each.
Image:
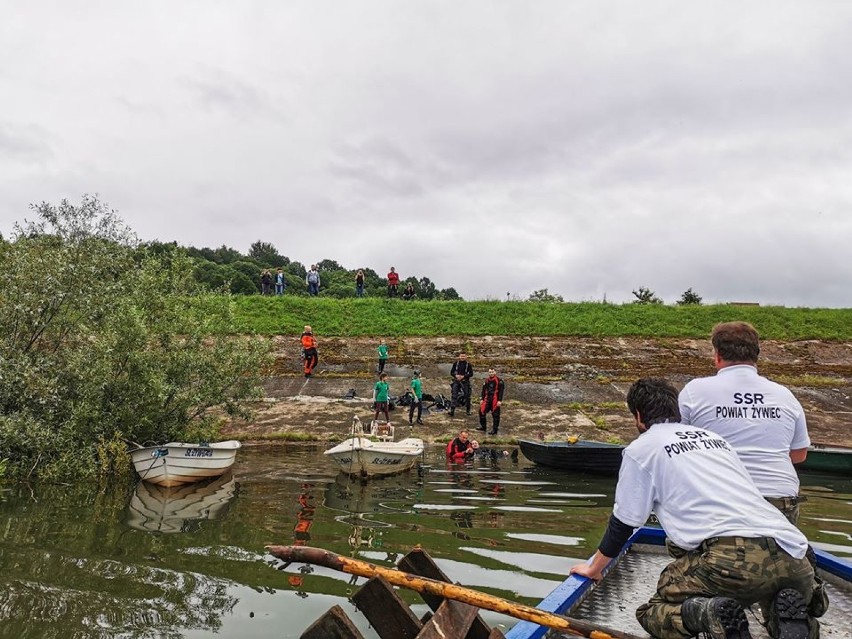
(791, 615)
(420, 421)
(719, 617)
(482, 428)
(493, 432)
(467, 412)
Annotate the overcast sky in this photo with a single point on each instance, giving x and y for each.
(589, 148)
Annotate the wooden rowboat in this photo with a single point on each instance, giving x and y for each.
(176, 463)
(575, 455)
(631, 580)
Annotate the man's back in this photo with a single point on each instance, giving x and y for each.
(694, 482)
(762, 420)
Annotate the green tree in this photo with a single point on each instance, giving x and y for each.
(543, 296)
(646, 296)
(689, 297)
(117, 341)
(267, 255)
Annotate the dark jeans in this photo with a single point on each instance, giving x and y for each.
(392, 289)
(313, 288)
(416, 403)
(279, 289)
(359, 290)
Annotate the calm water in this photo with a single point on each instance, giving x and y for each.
(136, 561)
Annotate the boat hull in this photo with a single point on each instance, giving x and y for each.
(630, 580)
(582, 456)
(175, 463)
(361, 457)
(827, 459)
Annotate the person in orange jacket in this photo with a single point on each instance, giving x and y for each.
(310, 357)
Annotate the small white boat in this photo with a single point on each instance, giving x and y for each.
(178, 463)
(374, 453)
(174, 510)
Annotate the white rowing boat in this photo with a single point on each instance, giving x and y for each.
(178, 463)
(374, 453)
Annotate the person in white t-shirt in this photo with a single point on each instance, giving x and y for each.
(740, 550)
(763, 421)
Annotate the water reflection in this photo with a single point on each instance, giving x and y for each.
(82, 561)
(179, 509)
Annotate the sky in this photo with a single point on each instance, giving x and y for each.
(498, 147)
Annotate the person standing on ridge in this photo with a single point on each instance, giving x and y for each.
(312, 280)
(359, 283)
(383, 355)
(393, 282)
(460, 372)
(310, 355)
(491, 400)
(280, 282)
(417, 391)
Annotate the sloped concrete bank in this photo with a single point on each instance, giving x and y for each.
(555, 386)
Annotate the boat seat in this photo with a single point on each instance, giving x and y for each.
(383, 431)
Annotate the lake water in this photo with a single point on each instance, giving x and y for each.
(137, 561)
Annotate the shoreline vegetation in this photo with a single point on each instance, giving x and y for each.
(329, 317)
(123, 341)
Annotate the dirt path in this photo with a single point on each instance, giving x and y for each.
(555, 387)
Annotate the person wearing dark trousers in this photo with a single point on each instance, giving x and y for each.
(417, 402)
(491, 400)
(461, 372)
(393, 282)
(310, 355)
(383, 356)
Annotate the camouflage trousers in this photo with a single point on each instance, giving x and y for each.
(750, 570)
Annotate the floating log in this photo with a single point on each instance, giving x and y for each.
(320, 557)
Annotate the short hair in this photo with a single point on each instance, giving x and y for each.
(383, 375)
(736, 341)
(654, 399)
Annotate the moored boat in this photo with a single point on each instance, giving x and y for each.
(579, 455)
(828, 459)
(374, 453)
(179, 463)
(631, 580)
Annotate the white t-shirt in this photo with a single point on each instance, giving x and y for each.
(698, 488)
(762, 420)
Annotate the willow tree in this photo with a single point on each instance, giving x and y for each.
(102, 340)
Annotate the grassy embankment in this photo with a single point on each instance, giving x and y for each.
(371, 316)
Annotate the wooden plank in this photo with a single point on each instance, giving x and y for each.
(419, 562)
(452, 620)
(334, 624)
(389, 615)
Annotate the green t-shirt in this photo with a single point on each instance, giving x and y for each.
(417, 388)
(383, 352)
(381, 391)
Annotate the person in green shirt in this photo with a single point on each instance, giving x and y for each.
(380, 397)
(383, 356)
(417, 390)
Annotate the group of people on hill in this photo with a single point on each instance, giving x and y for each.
(277, 281)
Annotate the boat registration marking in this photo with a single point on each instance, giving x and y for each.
(198, 452)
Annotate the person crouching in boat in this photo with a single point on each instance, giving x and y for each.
(461, 447)
(740, 549)
(310, 356)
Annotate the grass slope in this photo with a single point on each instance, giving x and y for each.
(392, 317)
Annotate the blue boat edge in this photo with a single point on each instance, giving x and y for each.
(574, 588)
